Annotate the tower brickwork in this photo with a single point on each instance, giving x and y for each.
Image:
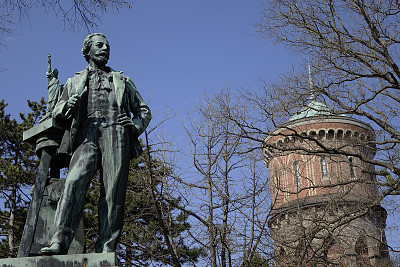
(325, 210)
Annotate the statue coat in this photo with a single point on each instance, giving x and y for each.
(128, 99)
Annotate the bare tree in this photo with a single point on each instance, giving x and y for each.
(353, 47)
(228, 192)
(75, 14)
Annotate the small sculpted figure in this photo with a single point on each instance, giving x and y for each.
(54, 88)
(106, 115)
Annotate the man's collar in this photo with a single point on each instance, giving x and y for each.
(90, 68)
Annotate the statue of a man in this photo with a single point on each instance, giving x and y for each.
(103, 135)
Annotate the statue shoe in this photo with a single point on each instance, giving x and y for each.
(54, 249)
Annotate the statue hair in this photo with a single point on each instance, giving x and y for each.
(88, 42)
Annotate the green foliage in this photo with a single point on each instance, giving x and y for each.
(18, 160)
(18, 166)
(256, 261)
(143, 239)
(90, 215)
(20, 213)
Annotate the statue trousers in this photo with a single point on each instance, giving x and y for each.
(105, 149)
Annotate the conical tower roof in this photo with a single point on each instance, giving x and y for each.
(313, 108)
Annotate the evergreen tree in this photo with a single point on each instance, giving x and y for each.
(18, 166)
(144, 238)
(256, 260)
(153, 231)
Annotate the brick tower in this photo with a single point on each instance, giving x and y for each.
(325, 210)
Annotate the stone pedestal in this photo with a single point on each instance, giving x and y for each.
(39, 225)
(76, 260)
(44, 229)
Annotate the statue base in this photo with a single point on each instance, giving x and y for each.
(75, 260)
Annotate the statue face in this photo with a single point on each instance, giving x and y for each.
(99, 50)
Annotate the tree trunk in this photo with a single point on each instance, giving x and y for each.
(225, 205)
(11, 222)
(211, 228)
(174, 258)
(211, 231)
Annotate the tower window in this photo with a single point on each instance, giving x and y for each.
(296, 171)
(324, 169)
(351, 167)
(361, 249)
(276, 178)
(331, 134)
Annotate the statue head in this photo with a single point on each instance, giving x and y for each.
(52, 74)
(96, 48)
(55, 73)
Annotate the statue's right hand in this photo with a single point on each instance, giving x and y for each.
(73, 103)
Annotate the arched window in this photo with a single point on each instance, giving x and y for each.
(347, 135)
(362, 252)
(281, 251)
(351, 167)
(331, 134)
(324, 169)
(296, 172)
(276, 179)
(339, 135)
(321, 134)
(333, 253)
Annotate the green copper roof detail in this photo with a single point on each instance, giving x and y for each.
(314, 108)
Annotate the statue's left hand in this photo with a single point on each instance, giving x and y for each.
(125, 121)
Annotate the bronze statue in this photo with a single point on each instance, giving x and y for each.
(98, 104)
(54, 88)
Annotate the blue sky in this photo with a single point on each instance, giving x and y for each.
(174, 51)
